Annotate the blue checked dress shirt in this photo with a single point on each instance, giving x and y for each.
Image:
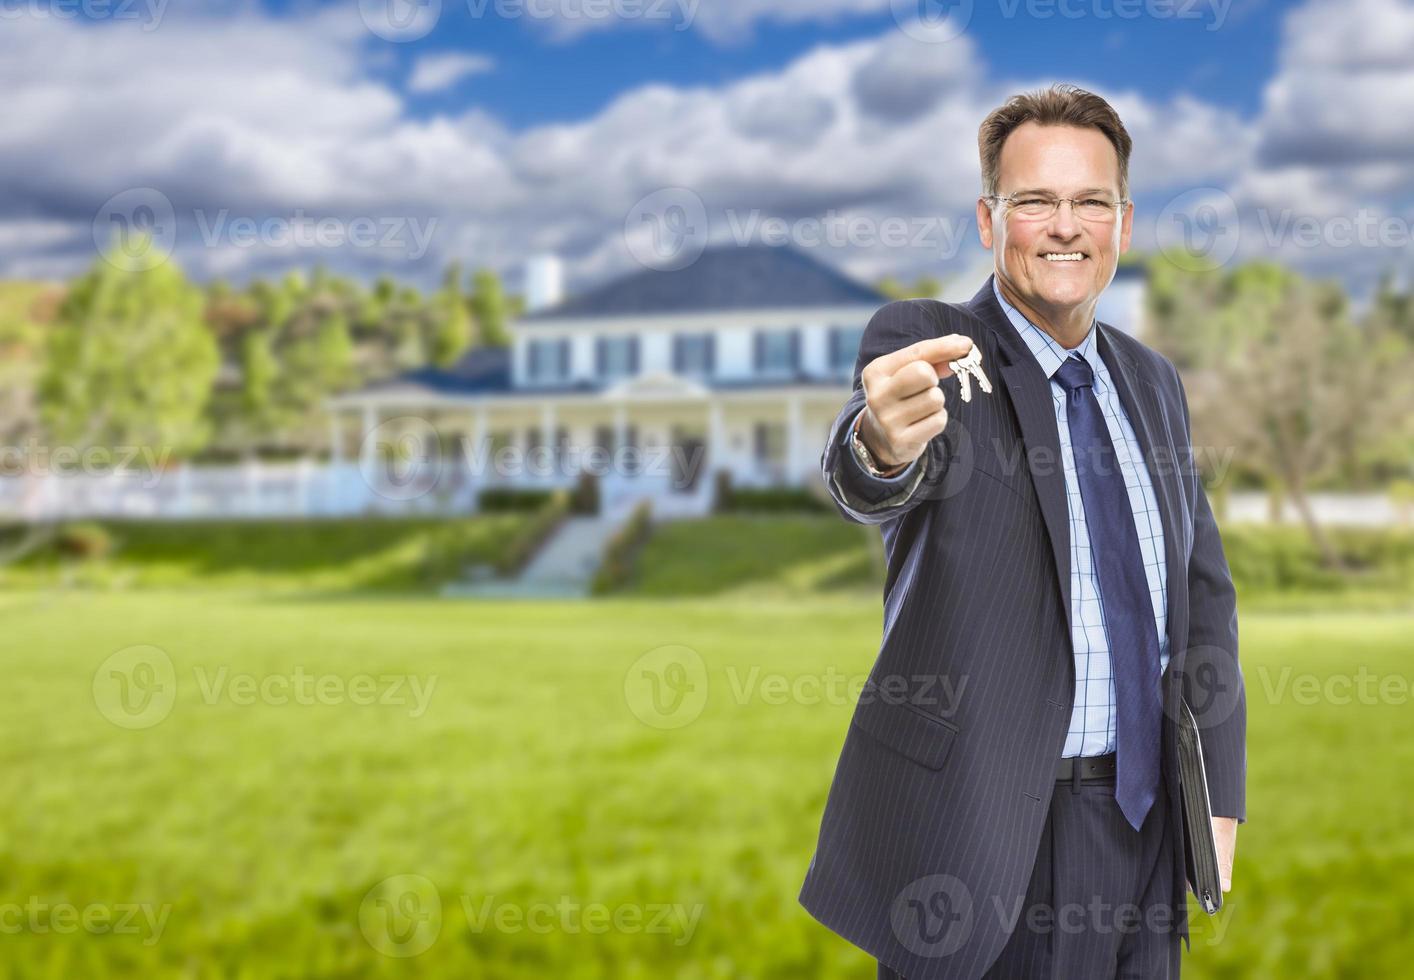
(1092, 721)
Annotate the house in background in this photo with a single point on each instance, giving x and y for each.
(654, 382)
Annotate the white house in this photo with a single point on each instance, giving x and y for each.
(654, 382)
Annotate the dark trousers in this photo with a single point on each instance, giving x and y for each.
(1098, 904)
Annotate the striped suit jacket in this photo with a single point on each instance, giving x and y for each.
(943, 785)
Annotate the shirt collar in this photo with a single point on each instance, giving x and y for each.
(1047, 351)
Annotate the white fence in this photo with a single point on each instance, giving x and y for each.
(304, 489)
(310, 489)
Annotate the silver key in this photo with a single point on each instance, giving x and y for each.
(968, 366)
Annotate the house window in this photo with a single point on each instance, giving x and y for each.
(844, 348)
(549, 360)
(694, 353)
(616, 357)
(770, 445)
(777, 351)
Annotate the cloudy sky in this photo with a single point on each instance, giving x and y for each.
(380, 136)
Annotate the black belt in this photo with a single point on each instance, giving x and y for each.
(1089, 766)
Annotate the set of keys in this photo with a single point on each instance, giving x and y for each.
(966, 368)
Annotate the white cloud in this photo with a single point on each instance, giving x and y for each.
(435, 72)
(720, 21)
(267, 116)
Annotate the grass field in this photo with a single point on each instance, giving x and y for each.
(559, 825)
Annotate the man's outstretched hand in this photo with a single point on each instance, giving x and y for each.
(905, 406)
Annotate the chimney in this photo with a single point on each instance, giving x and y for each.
(544, 282)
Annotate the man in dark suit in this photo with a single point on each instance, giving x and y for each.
(1007, 803)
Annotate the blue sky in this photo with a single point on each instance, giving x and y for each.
(1279, 130)
(540, 79)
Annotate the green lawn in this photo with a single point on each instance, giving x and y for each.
(528, 782)
(337, 555)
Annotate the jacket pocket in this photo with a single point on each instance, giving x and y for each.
(908, 729)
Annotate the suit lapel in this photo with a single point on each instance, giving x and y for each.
(1030, 392)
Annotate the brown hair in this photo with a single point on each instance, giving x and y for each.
(1059, 105)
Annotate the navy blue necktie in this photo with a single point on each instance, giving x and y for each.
(1124, 594)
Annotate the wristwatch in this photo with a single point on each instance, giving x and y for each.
(866, 458)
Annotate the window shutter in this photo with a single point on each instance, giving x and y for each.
(677, 355)
(795, 350)
(564, 357)
(759, 353)
(711, 353)
(599, 357)
(633, 355)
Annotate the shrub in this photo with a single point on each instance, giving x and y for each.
(87, 541)
(617, 567)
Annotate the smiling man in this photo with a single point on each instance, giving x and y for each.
(1053, 563)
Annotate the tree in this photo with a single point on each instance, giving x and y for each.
(451, 323)
(924, 286)
(1296, 386)
(129, 361)
(488, 306)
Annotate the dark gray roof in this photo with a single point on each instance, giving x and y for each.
(480, 369)
(751, 277)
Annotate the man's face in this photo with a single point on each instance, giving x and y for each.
(1058, 161)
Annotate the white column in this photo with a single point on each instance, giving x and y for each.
(336, 438)
(793, 440)
(479, 452)
(547, 435)
(716, 438)
(367, 445)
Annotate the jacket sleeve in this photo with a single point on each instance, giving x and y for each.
(1221, 707)
(860, 496)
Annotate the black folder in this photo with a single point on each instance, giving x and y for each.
(1200, 849)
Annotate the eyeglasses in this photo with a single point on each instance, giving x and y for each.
(1042, 207)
